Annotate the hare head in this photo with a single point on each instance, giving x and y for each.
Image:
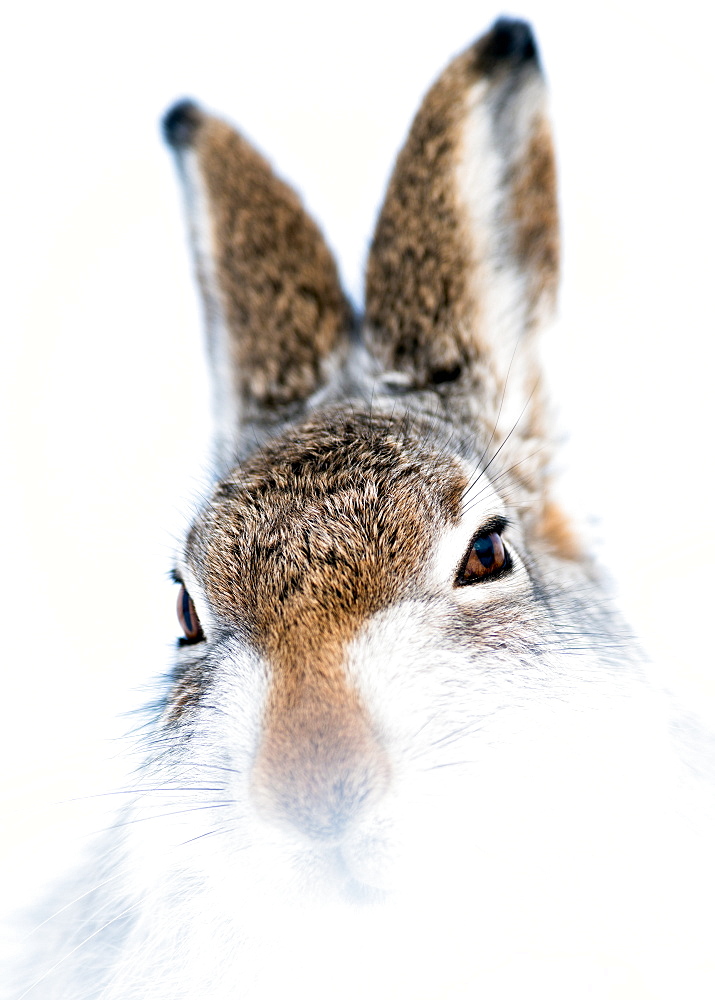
(381, 542)
(401, 704)
(380, 583)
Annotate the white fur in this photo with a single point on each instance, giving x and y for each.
(498, 284)
(226, 402)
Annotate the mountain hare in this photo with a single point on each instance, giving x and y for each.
(407, 750)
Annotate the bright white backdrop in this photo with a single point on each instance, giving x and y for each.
(102, 387)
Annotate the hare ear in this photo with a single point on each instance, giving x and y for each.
(276, 315)
(464, 262)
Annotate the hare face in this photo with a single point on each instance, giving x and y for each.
(370, 616)
(381, 581)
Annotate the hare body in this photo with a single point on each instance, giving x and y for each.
(408, 748)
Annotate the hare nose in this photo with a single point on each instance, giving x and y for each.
(319, 768)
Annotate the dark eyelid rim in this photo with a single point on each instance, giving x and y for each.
(493, 525)
(183, 641)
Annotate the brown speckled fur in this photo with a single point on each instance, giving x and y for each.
(378, 486)
(281, 295)
(534, 211)
(418, 303)
(422, 309)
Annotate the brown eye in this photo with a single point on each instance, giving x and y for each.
(487, 557)
(188, 618)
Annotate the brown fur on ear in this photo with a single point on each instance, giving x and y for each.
(472, 198)
(418, 300)
(534, 212)
(265, 271)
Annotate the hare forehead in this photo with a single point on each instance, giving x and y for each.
(324, 527)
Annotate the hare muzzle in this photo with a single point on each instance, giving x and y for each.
(319, 767)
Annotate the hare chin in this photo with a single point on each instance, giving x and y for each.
(325, 904)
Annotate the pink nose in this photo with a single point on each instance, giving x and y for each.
(319, 767)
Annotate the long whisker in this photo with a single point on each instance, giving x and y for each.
(514, 427)
(217, 831)
(503, 475)
(141, 790)
(71, 903)
(73, 951)
(496, 421)
(217, 804)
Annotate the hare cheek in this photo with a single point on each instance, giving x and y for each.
(216, 708)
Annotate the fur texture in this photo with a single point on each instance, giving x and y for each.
(371, 775)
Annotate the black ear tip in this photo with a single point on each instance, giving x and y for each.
(509, 42)
(180, 123)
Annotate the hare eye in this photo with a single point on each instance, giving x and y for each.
(487, 558)
(188, 619)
